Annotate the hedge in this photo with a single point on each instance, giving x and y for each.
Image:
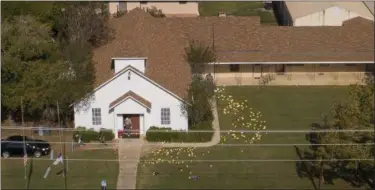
(155, 134)
(91, 135)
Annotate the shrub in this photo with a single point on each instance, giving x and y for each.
(81, 128)
(155, 12)
(108, 134)
(155, 134)
(205, 125)
(119, 14)
(92, 135)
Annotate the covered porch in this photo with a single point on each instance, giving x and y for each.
(289, 73)
(130, 113)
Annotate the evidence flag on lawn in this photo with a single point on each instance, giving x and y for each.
(24, 160)
(58, 160)
(47, 172)
(51, 155)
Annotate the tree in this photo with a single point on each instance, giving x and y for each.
(64, 37)
(31, 63)
(198, 56)
(80, 27)
(155, 12)
(197, 106)
(356, 113)
(40, 10)
(76, 22)
(201, 90)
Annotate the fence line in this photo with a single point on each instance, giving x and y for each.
(177, 160)
(210, 131)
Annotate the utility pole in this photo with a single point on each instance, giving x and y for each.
(58, 121)
(63, 150)
(23, 136)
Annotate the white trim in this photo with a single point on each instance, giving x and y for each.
(293, 62)
(129, 97)
(124, 70)
(128, 58)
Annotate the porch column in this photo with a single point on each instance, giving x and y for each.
(114, 125)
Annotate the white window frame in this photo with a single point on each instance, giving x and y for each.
(165, 116)
(96, 116)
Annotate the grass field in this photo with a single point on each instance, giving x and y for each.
(250, 8)
(82, 174)
(288, 108)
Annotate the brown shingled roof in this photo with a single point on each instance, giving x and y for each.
(132, 95)
(236, 39)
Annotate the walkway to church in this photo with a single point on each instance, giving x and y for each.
(130, 150)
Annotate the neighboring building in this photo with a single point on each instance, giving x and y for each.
(330, 13)
(169, 8)
(143, 71)
(370, 5)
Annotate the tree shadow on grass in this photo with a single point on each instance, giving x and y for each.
(311, 170)
(326, 172)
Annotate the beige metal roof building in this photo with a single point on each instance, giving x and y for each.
(169, 8)
(332, 13)
(370, 6)
(300, 9)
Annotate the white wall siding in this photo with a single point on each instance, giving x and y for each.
(119, 86)
(120, 64)
(115, 7)
(333, 16)
(169, 8)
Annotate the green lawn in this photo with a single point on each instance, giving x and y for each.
(250, 8)
(281, 108)
(81, 174)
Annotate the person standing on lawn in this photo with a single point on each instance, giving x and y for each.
(101, 137)
(80, 140)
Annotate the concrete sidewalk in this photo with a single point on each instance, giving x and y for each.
(214, 141)
(131, 149)
(128, 149)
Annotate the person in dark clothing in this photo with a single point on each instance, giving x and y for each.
(101, 137)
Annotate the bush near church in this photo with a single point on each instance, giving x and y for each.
(89, 135)
(164, 134)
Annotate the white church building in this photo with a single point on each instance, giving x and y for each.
(130, 94)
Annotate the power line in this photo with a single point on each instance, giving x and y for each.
(229, 144)
(221, 131)
(177, 160)
(181, 173)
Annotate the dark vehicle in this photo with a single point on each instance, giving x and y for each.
(14, 146)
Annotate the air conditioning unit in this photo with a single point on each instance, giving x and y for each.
(222, 14)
